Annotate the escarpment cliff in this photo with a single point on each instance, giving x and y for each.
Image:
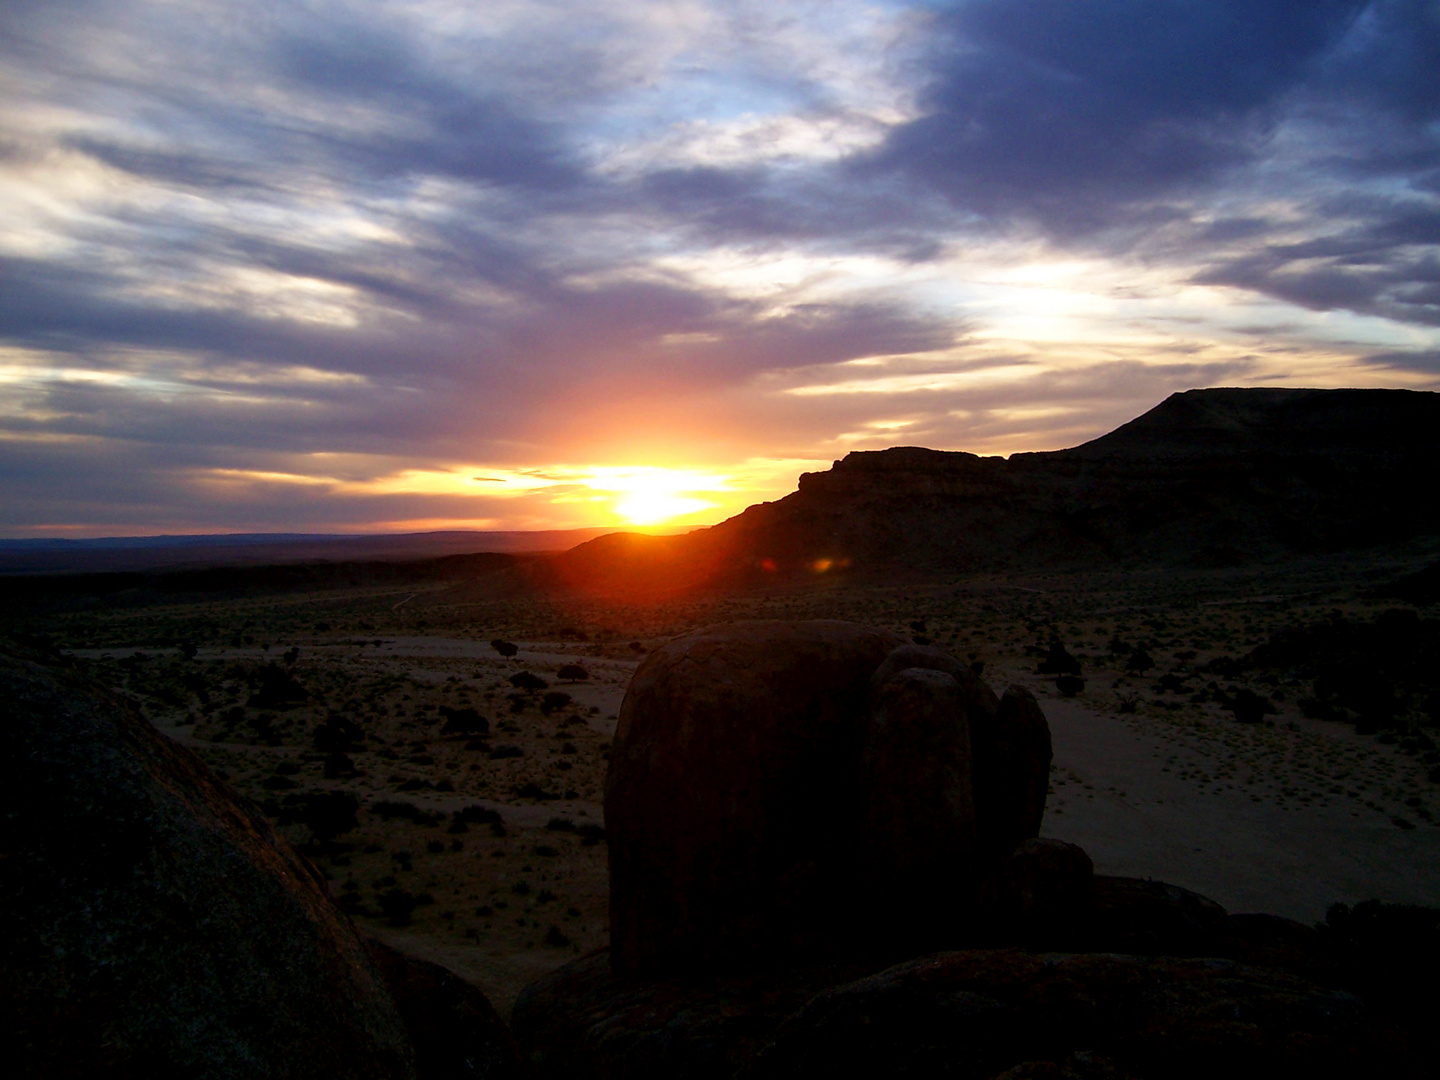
(1209, 477)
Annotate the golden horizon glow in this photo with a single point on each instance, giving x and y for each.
(651, 495)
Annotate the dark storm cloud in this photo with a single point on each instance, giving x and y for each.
(1069, 113)
(501, 285)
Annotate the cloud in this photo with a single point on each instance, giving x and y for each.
(1067, 115)
(447, 238)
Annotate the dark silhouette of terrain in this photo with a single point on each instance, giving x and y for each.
(1207, 478)
(118, 588)
(116, 554)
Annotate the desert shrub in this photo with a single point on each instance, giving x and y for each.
(278, 689)
(1126, 702)
(528, 681)
(328, 814)
(1058, 661)
(397, 905)
(1140, 661)
(591, 834)
(1250, 707)
(546, 850)
(278, 783)
(506, 649)
(636, 647)
(463, 722)
(435, 847)
(337, 735)
(502, 752)
(555, 937)
(553, 700)
(532, 790)
(570, 633)
(1069, 685)
(521, 888)
(338, 765)
(1227, 667)
(560, 824)
(387, 810)
(477, 815)
(287, 768)
(572, 673)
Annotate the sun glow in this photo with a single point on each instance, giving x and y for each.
(654, 496)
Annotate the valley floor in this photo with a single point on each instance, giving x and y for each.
(1154, 775)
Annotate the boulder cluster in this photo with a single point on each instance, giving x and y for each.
(787, 789)
(824, 860)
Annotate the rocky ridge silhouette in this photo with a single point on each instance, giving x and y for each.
(1208, 477)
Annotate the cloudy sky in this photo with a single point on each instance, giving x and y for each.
(338, 265)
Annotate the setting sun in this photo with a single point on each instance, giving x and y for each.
(655, 496)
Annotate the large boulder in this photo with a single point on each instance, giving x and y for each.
(973, 1014)
(1042, 893)
(584, 1022)
(978, 699)
(154, 926)
(731, 803)
(1009, 749)
(1012, 773)
(456, 1032)
(977, 1013)
(916, 846)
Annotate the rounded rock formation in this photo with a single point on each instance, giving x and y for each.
(154, 926)
(731, 802)
(916, 845)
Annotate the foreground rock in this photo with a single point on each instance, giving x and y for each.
(804, 790)
(731, 799)
(154, 926)
(915, 850)
(978, 1013)
(456, 1032)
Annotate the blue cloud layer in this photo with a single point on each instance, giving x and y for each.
(439, 233)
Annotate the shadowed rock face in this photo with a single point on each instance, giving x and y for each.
(1012, 773)
(781, 790)
(975, 1014)
(1211, 476)
(1239, 995)
(154, 926)
(916, 841)
(730, 801)
(456, 1032)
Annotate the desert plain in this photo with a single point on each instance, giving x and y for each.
(484, 850)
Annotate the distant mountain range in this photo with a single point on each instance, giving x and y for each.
(1208, 477)
(149, 553)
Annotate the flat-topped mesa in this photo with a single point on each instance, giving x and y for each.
(910, 469)
(782, 790)
(1208, 477)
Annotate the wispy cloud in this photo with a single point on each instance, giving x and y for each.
(432, 239)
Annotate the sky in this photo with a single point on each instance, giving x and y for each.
(400, 265)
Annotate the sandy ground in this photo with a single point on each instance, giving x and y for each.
(1287, 816)
(1245, 851)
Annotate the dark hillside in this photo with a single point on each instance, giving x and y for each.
(1208, 477)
